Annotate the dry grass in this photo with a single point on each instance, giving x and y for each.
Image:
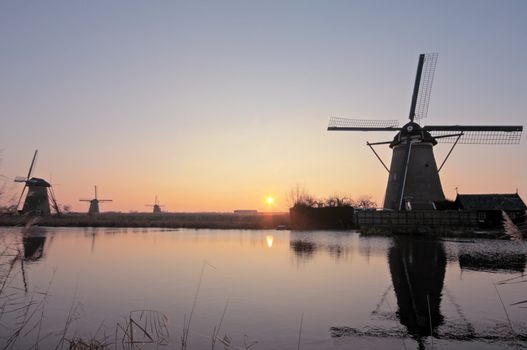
(93, 344)
(22, 316)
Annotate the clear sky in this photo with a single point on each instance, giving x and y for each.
(213, 105)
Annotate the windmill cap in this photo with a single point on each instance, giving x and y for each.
(35, 181)
(414, 131)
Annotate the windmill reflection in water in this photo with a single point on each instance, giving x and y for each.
(27, 248)
(417, 268)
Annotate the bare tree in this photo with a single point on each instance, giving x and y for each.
(338, 200)
(299, 197)
(365, 202)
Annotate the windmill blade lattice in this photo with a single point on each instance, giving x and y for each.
(336, 123)
(477, 134)
(425, 87)
(410, 186)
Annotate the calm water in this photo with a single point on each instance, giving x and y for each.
(346, 291)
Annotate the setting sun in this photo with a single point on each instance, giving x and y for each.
(151, 150)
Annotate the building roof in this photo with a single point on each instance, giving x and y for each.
(508, 202)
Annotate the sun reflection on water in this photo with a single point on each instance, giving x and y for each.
(269, 240)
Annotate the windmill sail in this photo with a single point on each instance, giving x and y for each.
(94, 203)
(477, 134)
(418, 109)
(345, 124)
(413, 181)
(32, 164)
(37, 198)
(416, 86)
(156, 207)
(26, 179)
(21, 196)
(425, 86)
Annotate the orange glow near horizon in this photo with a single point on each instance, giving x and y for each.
(215, 127)
(221, 192)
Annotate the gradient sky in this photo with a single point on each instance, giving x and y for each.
(214, 105)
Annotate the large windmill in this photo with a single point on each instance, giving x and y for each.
(156, 206)
(94, 203)
(413, 181)
(39, 193)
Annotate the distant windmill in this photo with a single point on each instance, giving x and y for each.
(156, 206)
(413, 181)
(39, 194)
(94, 203)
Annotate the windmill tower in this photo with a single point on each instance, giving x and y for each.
(39, 194)
(94, 203)
(413, 181)
(156, 206)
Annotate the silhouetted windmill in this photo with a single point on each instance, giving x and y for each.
(156, 206)
(413, 181)
(94, 203)
(39, 194)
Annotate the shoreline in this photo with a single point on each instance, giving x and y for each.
(227, 221)
(162, 220)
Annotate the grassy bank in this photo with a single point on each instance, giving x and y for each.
(168, 220)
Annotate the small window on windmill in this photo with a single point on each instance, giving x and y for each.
(407, 204)
(482, 216)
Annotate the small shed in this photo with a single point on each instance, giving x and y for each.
(489, 207)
